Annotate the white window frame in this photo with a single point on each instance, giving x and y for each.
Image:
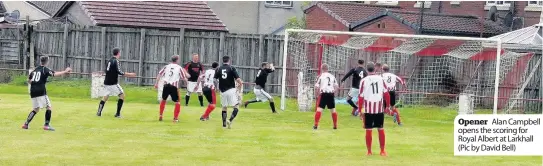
(427, 4)
(534, 7)
(503, 6)
(455, 2)
(391, 3)
(278, 4)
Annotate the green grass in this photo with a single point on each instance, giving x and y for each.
(257, 138)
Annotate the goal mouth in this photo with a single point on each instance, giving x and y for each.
(437, 68)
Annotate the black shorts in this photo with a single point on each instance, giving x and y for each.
(392, 99)
(374, 120)
(327, 100)
(172, 91)
(209, 93)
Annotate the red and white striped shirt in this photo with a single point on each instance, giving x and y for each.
(171, 74)
(391, 80)
(372, 92)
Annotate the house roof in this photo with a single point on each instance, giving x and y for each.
(49, 7)
(2, 8)
(163, 14)
(349, 13)
(440, 23)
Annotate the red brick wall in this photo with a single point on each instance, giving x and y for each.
(318, 19)
(391, 26)
(475, 8)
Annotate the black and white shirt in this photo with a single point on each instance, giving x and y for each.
(227, 76)
(38, 79)
(113, 70)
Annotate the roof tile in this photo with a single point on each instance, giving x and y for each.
(163, 14)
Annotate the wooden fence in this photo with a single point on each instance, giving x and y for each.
(144, 51)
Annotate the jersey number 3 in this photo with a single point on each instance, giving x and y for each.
(224, 75)
(36, 77)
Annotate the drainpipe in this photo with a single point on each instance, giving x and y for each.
(258, 17)
(421, 18)
(440, 6)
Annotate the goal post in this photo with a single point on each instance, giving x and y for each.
(444, 66)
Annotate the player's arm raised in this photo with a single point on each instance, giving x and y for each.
(401, 82)
(59, 73)
(271, 68)
(351, 72)
(120, 72)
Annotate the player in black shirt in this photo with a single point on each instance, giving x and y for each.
(38, 93)
(358, 73)
(111, 82)
(260, 81)
(228, 77)
(195, 69)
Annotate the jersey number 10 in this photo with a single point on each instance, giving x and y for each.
(36, 76)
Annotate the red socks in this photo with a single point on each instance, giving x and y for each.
(334, 118)
(317, 118)
(395, 111)
(162, 105)
(209, 109)
(381, 139)
(177, 110)
(368, 140)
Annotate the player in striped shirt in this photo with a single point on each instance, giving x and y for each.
(390, 81)
(372, 92)
(208, 84)
(327, 85)
(171, 74)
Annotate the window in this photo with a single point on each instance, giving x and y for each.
(455, 2)
(283, 4)
(500, 5)
(381, 25)
(534, 6)
(427, 4)
(392, 3)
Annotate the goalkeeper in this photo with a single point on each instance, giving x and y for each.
(358, 73)
(260, 81)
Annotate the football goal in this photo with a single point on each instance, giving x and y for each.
(438, 70)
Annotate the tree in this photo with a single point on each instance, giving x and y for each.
(295, 23)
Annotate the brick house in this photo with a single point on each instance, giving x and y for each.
(440, 18)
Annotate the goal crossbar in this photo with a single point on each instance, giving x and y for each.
(286, 41)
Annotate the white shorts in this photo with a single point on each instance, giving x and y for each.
(262, 95)
(192, 85)
(353, 93)
(41, 102)
(113, 90)
(230, 98)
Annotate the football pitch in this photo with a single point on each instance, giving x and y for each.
(257, 137)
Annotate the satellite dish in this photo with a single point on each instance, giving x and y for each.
(508, 19)
(518, 23)
(491, 15)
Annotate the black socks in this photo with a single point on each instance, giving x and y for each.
(187, 98)
(234, 114)
(224, 118)
(47, 117)
(201, 98)
(30, 117)
(119, 107)
(272, 106)
(350, 101)
(100, 108)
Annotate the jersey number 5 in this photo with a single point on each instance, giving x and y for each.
(36, 77)
(171, 71)
(374, 88)
(224, 75)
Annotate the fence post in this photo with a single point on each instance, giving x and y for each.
(26, 42)
(221, 45)
(65, 46)
(103, 48)
(261, 48)
(182, 42)
(142, 45)
(32, 62)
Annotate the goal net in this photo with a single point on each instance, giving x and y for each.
(436, 69)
